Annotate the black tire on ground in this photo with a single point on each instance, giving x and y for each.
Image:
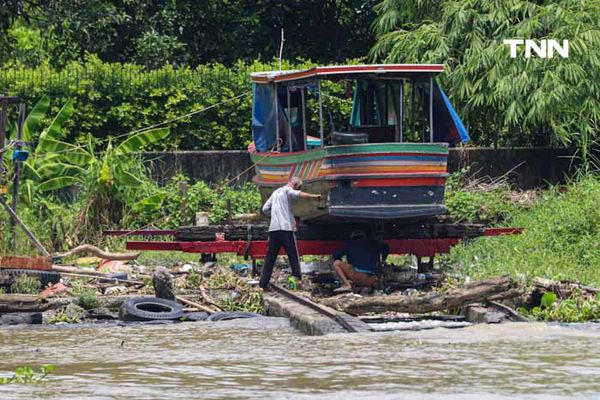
(149, 309)
(45, 277)
(227, 315)
(195, 316)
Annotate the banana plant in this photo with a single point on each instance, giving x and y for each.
(64, 164)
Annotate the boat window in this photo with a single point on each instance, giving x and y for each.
(375, 103)
(290, 112)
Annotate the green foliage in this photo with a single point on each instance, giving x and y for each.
(561, 239)
(61, 317)
(246, 298)
(467, 204)
(504, 101)
(87, 299)
(26, 284)
(155, 33)
(548, 299)
(574, 309)
(245, 199)
(193, 279)
(26, 374)
(116, 99)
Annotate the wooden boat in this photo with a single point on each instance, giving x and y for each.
(389, 164)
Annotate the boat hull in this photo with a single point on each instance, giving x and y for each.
(387, 181)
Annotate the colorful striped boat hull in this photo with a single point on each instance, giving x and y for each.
(391, 181)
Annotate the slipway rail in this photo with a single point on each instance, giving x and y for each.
(326, 311)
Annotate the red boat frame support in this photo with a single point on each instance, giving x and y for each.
(258, 249)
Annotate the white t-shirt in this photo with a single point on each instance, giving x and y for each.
(279, 207)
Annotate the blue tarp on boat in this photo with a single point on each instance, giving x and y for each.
(264, 125)
(447, 125)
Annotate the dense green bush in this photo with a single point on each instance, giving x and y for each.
(112, 99)
(560, 241)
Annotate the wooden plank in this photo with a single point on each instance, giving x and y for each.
(43, 263)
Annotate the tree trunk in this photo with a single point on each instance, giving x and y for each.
(493, 288)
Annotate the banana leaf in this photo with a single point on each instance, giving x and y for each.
(55, 128)
(59, 183)
(33, 119)
(56, 169)
(126, 178)
(151, 203)
(30, 172)
(29, 187)
(66, 151)
(140, 140)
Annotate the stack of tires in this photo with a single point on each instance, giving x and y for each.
(145, 309)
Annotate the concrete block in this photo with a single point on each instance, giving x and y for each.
(483, 315)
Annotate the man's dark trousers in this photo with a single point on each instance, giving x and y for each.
(287, 239)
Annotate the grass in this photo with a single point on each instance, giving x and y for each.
(561, 240)
(26, 284)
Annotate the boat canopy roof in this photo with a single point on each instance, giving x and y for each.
(348, 72)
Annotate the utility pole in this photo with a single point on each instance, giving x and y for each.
(15, 189)
(5, 100)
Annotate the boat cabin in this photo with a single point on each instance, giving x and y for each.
(390, 103)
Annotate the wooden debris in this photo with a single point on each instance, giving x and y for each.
(498, 288)
(42, 263)
(207, 299)
(22, 303)
(88, 248)
(194, 304)
(563, 289)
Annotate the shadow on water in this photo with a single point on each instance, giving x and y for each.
(265, 358)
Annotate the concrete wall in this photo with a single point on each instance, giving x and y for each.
(529, 167)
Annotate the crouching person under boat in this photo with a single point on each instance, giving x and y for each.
(282, 228)
(364, 257)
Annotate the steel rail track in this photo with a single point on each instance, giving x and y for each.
(317, 307)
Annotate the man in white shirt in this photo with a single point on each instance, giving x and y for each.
(282, 227)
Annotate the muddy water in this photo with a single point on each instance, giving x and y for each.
(266, 359)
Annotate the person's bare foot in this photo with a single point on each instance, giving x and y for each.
(343, 289)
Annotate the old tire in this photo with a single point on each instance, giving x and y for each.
(227, 315)
(195, 316)
(150, 309)
(45, 277)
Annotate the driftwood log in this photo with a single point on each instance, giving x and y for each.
(494, 288)
(88, 248)
(22, 303)
(563, 289)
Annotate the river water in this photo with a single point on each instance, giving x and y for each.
(264, 358)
